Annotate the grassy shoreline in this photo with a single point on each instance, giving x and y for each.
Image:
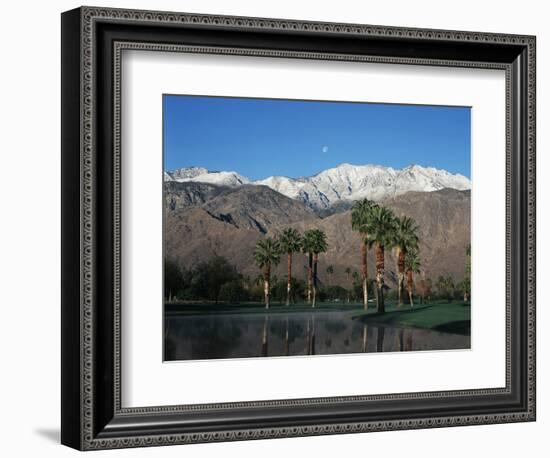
(450, 317)
(202, 308)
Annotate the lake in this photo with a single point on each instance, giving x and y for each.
(247, 335)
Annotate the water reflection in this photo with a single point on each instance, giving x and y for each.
(290, 334)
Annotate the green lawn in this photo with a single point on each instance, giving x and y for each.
(256, 307)
(452, 317)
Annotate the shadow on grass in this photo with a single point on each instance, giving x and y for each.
(450, 318)
(461, 327)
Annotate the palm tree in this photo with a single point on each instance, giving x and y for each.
(381, 234)
(330, 271)
(429, 289)
(423, 287)
(307, 248)
(445, 287)
(266, 254)
(406, 238)
(412, 265)
(348, 273)
(290, 242)
(318, 245)
(360, 219)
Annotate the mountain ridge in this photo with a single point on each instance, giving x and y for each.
(333, 186)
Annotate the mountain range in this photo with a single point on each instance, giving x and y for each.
(336, 186)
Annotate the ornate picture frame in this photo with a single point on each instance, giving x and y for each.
(93, 416)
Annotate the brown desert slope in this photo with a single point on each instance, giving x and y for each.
(203, 220)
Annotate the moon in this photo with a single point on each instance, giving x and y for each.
(324, 149)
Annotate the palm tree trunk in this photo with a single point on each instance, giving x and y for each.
(267, 275)
(289, 278)
(309, 276)
(364, 272)
(410, 286)
(380, 277)
(401, 276)
(315, 260)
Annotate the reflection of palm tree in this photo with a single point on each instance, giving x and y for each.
(382, 227)
(380, 339)
(412, 265)
(360, 221)
(365, 338)
(290, 242)
(266, 254)
(287, 343)
(317, 241)
(264, 336)
(308, 337)
(312, 341)
(405, 239)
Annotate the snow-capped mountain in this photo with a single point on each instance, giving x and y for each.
(202, 175)
(184, 174)
(345, 182)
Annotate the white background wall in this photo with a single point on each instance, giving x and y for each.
(30, 240)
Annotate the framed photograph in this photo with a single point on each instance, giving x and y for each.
(278, 228)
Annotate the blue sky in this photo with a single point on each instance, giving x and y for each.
(262, 137)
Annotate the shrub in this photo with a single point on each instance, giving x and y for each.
(233, 291)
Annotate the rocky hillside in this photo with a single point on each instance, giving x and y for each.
(204, 220)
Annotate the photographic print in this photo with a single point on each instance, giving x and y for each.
(298, 227)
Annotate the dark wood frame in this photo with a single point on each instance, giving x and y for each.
(92, 40)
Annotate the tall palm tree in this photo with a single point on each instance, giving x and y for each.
(318, 245)
(330, 271)
(348, 272)
(381, 235)
(266, 254)
(290, 242)
(423, 287)
(406, 238)
(412, 265)
(360, 219)
(307, 248)
(445, 287)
